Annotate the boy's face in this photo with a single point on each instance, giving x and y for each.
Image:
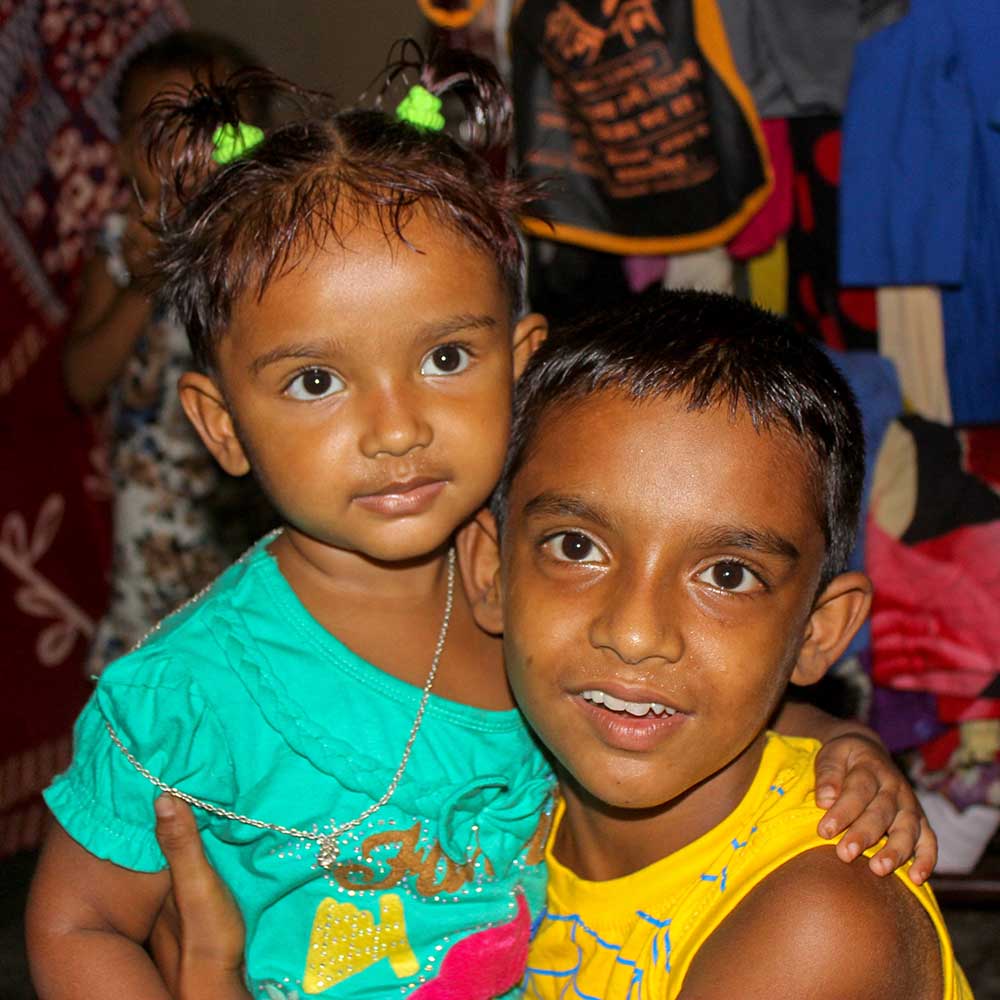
(659, 571)
(369, 389)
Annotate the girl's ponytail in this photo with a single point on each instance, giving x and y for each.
(191, 133)
(456, 75)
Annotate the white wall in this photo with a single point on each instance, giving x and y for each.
(338, 45)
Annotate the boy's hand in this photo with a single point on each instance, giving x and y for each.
(198, 940)
(867, 796)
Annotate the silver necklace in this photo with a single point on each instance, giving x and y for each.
(329, 846)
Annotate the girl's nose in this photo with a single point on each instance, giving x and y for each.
(395, 424)
(635, 623)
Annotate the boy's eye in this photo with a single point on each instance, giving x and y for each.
(732, 576)
(448, 359)
(314, 383)
(573, 546)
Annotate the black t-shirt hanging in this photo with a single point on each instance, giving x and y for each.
(635, 111)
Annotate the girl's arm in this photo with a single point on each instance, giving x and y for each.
(108, 323)
(86, 923)
(866, 796)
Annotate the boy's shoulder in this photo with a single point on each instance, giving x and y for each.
(817, 924)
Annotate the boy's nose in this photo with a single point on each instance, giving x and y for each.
(395, 424)
(636, 624)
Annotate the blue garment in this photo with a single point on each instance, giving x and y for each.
(875, 385)
(244, 700)
(920, 180)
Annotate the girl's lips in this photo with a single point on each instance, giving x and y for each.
(399, 499)
(623, 731)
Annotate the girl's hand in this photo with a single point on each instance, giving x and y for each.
(198, 940)
(867, 796)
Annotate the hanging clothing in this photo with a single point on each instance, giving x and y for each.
(795, 55)
(634, 111)
(844, 318)
(60, 65)
(911, 335)
(921, 181)
(774, 219)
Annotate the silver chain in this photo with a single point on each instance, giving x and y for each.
(328, 842)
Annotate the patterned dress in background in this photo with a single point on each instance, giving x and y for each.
(178, 519)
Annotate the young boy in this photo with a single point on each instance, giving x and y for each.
(682, 486)
(681, 493)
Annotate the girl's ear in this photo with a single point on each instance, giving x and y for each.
(479, 562)
(528, 336)
(206, 408)
(838, 613)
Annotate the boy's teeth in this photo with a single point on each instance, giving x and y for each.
(636, 708)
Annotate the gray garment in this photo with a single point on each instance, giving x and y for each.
(796, 55)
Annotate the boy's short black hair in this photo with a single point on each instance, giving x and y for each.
(710, 349)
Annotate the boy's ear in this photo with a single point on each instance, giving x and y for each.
(529, 333)
(479, 561)
(206, 408)
(838, 613)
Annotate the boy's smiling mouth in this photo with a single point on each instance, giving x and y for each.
(638, 709)
(632, 719)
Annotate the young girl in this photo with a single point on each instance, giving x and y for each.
(173, 524)
(362, 782)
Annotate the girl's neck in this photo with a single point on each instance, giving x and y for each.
(390, 615)
(314, 568)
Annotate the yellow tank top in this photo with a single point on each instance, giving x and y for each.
(634, 938)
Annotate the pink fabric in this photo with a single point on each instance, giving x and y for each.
(641, 271)
(483, 965)
(935, 625)
(775, 217)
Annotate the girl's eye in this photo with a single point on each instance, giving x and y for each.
(573, 546)
(314, 383)
(731, 576)
(448, 359)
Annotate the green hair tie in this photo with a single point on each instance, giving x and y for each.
(421, 109)
(233, 141)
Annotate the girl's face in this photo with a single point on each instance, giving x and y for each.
(369, 390)
(144, 87)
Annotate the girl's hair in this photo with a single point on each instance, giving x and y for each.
(197, 53)
(316, 175)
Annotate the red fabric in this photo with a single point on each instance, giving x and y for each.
(935, 625)
(775, 216)
(57, 181)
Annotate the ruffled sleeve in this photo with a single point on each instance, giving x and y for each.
(162, 715)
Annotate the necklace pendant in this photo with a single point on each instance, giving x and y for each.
(329, 850)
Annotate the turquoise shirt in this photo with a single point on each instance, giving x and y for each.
(244, 700)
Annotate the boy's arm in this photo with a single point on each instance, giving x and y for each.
(864, 792)
(817, 927)
(86, 922)
(198, 939)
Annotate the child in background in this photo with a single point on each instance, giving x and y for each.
(679, 500)
(174, 530)
(351, 286)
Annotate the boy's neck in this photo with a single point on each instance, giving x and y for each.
(598, 842)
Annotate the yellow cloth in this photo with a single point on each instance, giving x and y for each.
(768, 277)
(634, 938)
